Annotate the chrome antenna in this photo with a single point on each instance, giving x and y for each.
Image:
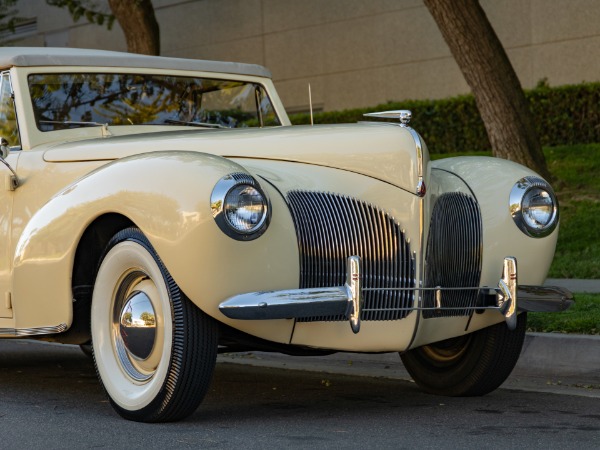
(310, 105)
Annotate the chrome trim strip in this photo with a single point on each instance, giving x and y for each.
(23, 332)
(420, 189)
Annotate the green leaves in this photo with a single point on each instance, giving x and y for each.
(85, 8)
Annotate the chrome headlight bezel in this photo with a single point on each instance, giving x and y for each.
(520, 190)
(219, 198)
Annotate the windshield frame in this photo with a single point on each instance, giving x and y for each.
(144, 99)
(32, 137)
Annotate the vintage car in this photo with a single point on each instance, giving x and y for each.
(164, 210)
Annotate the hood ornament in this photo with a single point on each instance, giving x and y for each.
(404, 115)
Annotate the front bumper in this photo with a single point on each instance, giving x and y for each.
(508, 298)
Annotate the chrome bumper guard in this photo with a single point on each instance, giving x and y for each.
(347, 300)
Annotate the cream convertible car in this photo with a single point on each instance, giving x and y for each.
(165, 210)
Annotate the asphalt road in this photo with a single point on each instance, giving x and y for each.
(50, 398)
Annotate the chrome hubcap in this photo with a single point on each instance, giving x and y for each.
(137, 325)
(137, 338)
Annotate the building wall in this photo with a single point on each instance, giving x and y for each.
(354, 53)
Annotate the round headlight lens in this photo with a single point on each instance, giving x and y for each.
(538, 208)
(534, 207)
(245, 208)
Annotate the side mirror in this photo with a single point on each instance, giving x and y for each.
(4, 148)
(12, 182)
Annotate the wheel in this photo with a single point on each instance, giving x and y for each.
(154, 351)
(470, 365)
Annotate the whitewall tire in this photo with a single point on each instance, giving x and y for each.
(154, 350)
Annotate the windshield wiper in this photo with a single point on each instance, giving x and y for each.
(74, 122)
(194, 124)
(104, 126)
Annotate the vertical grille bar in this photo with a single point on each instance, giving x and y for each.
(453, 257)
(331, 227)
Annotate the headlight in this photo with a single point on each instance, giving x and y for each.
(534, 207)
(240, 207)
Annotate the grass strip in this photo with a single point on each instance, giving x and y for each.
(577, 169)
(582, 318)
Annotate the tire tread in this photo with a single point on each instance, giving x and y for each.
(492, 354)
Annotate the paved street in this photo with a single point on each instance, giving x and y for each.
(49, 398)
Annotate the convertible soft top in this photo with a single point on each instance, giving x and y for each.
(47, 56)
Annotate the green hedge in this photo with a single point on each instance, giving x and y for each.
(564, 115)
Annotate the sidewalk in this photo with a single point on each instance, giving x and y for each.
(575, 285)
(559, 364)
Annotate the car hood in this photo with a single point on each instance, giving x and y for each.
(380, 151)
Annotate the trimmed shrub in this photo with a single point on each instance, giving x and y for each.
(563, 115)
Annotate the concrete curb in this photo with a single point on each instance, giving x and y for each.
(556, 354)
(575, 359)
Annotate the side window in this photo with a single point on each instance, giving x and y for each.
(9, 131)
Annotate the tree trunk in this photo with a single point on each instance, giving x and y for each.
(487, 70)
(139, 24)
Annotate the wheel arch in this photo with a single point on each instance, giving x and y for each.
(161, 193)
(90, 248)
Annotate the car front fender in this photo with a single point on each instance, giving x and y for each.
(491, 181)
(166, 195)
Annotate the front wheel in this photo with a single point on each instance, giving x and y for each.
(154, 351)
(470, 365)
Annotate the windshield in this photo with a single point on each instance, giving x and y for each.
(71, 100)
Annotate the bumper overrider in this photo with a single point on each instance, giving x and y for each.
(347, 299)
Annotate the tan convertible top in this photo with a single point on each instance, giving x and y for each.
(48, 56)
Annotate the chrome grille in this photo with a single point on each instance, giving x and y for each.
(331, 227)
(453, 257)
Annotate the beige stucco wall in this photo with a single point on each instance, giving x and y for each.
(353, 52)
